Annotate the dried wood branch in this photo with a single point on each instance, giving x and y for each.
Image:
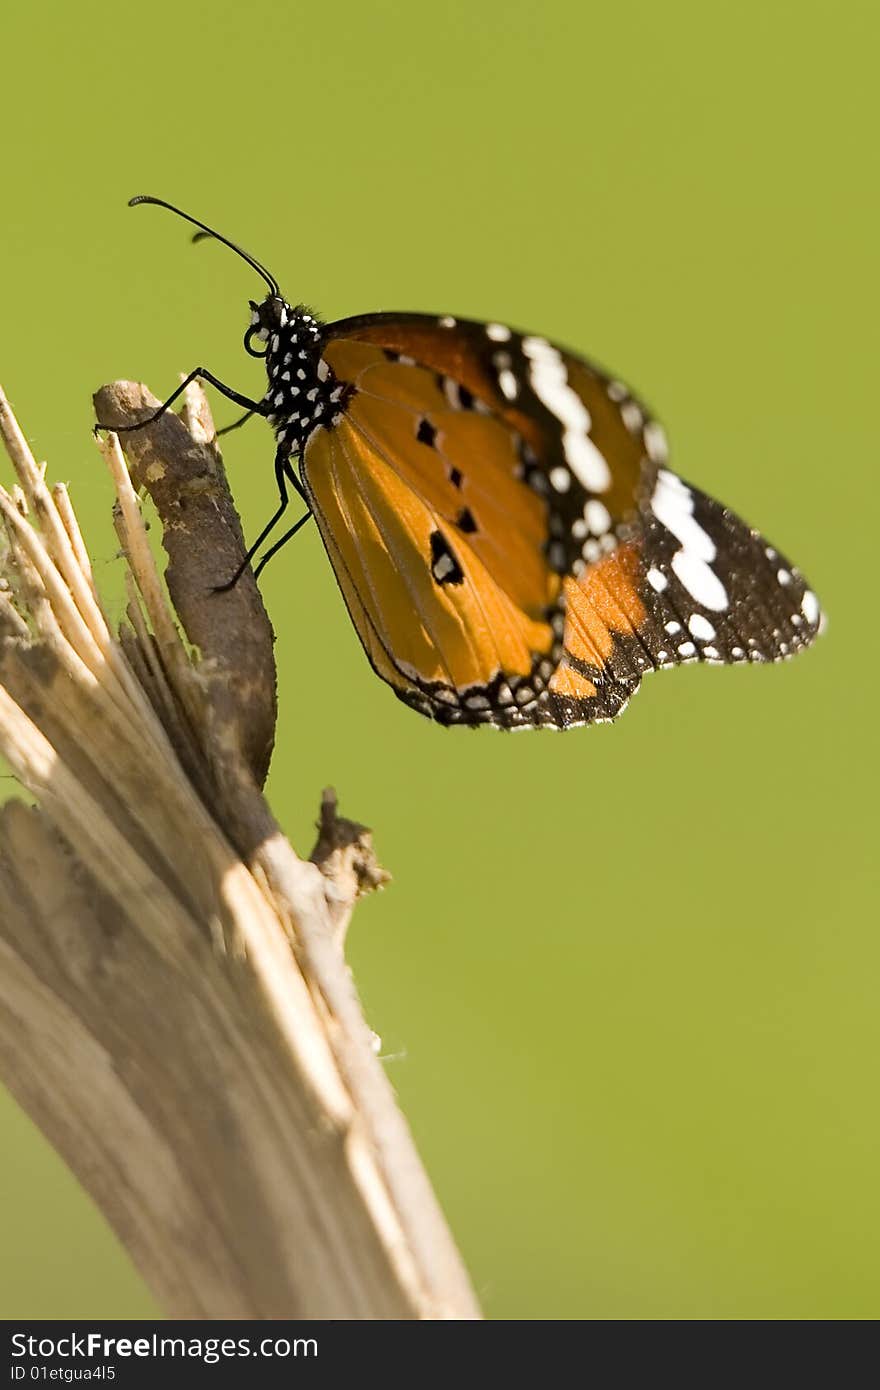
(175, 1009)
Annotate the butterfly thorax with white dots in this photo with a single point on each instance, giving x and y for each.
(302, 393)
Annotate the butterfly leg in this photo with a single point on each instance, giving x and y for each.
(284, 474)
(237, 424)
(274, 549)
(202, 374)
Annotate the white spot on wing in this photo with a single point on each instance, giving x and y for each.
(700, 627)
(508, 383)
(442, 566)
(810, 607)
(497, 332)
(597, 516)
(560, 478)
(657, 580)
(655, 442)
(632, 415)
(673, 506)
(699, 580)
(550, 383)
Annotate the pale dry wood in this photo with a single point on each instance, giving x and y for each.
(175, 1009)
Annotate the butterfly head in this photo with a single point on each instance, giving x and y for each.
(268, 319)
(303, 393)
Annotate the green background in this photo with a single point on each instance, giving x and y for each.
(625, 978)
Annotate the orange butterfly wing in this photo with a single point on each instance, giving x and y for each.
(498, 517)
(441, 611)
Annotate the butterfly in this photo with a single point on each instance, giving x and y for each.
(501, 518)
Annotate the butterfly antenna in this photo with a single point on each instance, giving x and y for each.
(205, 231)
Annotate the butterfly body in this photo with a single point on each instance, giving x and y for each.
(510, 542)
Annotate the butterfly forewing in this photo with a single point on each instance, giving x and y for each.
(568, 417)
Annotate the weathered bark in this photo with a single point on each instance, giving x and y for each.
(175, 1009)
